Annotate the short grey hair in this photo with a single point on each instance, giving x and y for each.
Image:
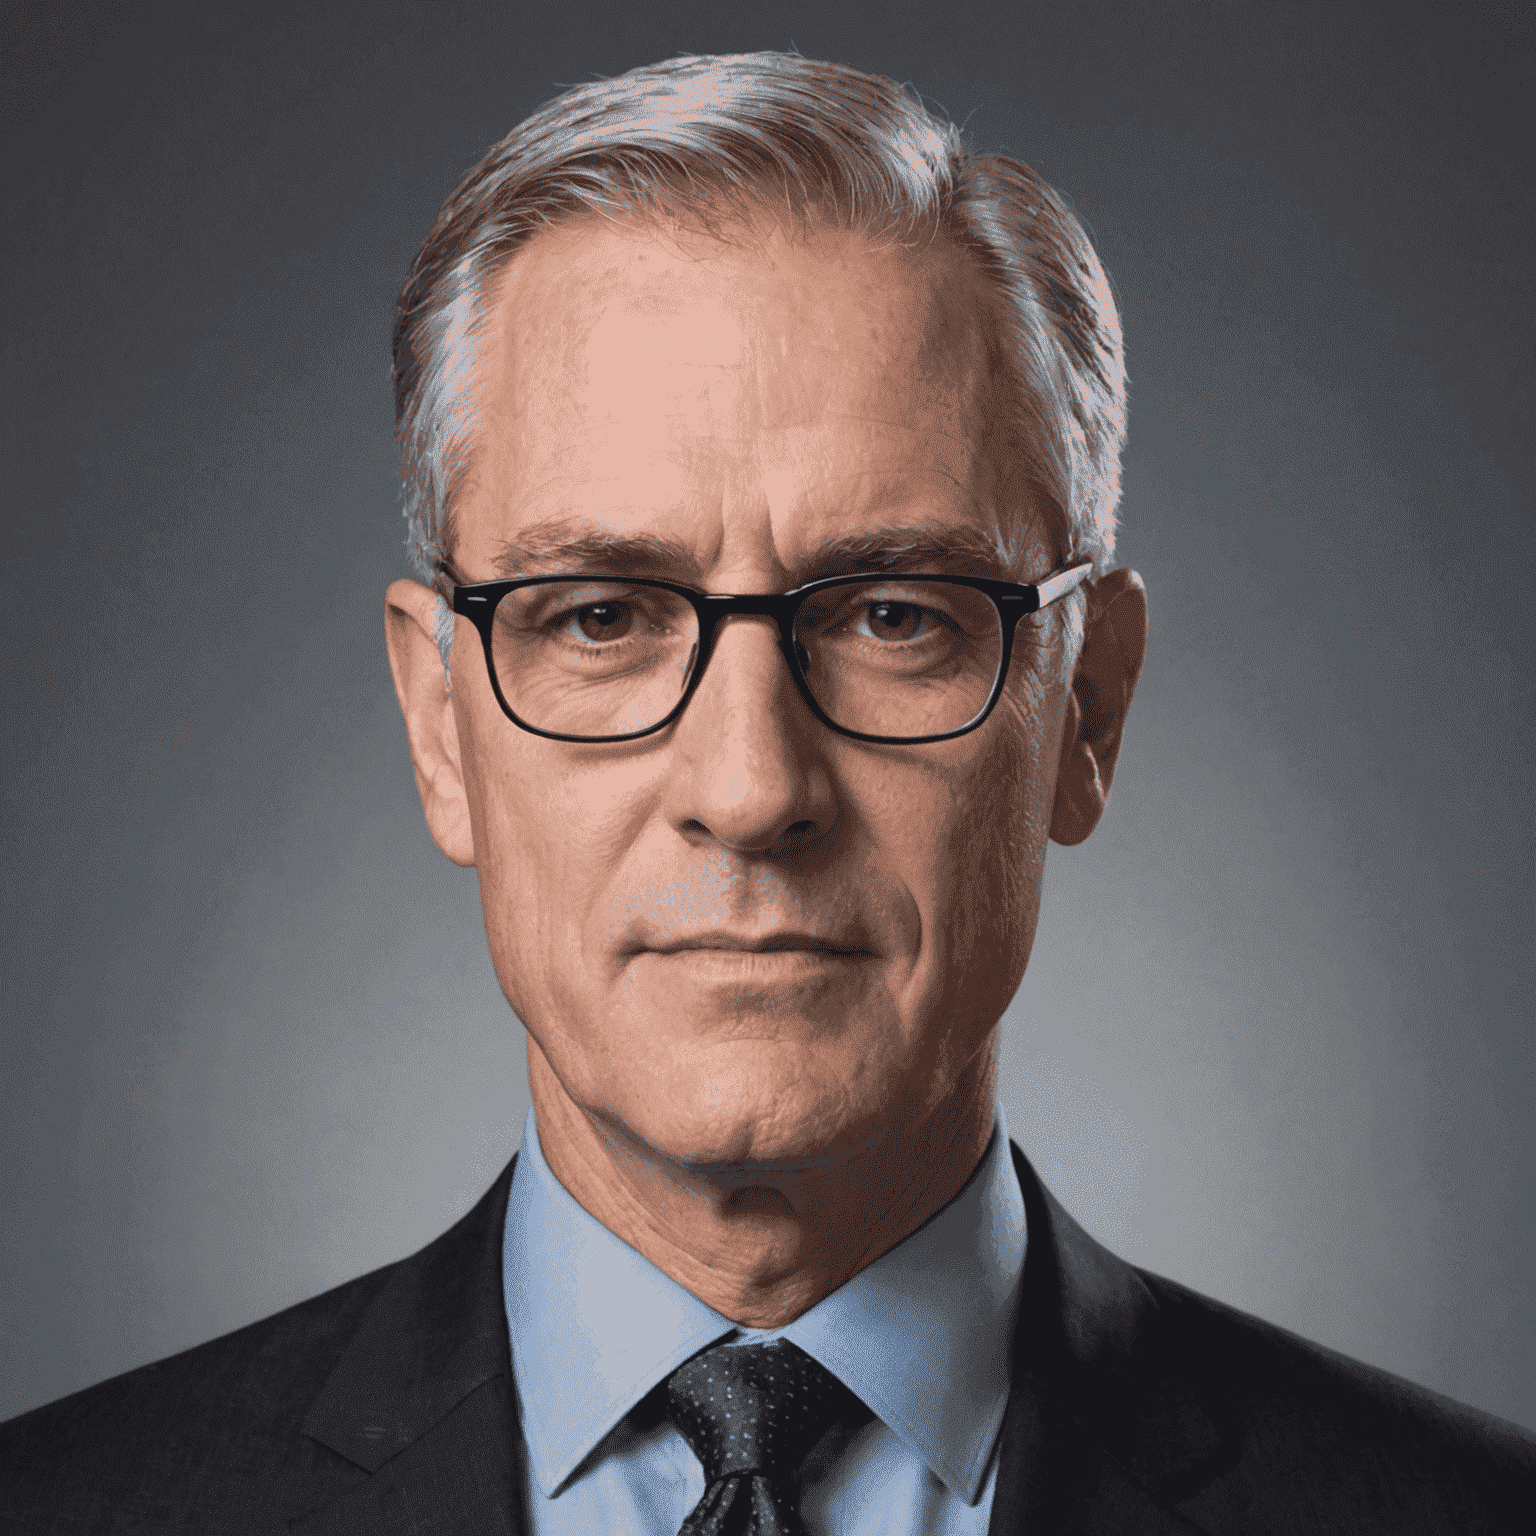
(715, 138)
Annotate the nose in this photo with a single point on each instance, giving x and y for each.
(748, 769)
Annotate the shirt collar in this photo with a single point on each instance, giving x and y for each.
(923, 1335)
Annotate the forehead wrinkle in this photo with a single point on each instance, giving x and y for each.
(947, 379)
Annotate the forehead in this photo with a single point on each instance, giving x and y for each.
(772, 392)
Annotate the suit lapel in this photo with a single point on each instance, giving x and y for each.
(1055, 1477)
(1104, 1432)
(422, 1401)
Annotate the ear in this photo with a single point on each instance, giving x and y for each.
(1114, 644)
(410, 615)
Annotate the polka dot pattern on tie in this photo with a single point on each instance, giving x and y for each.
(752, 1413)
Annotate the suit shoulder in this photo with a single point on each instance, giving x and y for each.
(1310, 1416)
(223, 1414)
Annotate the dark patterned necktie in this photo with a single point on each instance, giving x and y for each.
(751, 1413)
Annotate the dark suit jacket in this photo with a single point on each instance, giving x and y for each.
(386, 1406)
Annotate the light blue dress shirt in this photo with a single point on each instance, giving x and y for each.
(923, 1335)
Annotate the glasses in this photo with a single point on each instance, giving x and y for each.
(889, 659)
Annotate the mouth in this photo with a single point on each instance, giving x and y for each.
(718, 942)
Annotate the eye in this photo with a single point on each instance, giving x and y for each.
(893, 621)
(602, 621)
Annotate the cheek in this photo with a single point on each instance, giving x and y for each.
(962, 828)
(1000, 824)
(549, 834)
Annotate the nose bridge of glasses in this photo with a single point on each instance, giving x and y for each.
(715, 608)
(723, 605)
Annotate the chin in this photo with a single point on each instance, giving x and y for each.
(762, 1120)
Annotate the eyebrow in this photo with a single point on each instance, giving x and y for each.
(561, 546)
(909, 548)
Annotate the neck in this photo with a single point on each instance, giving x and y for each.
(763, 1248)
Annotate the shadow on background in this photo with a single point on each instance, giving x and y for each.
(1274, 1040)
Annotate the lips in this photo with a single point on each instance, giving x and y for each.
(759, 944)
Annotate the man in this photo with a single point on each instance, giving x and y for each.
(762, 461)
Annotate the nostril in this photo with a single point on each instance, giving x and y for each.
(800, 828)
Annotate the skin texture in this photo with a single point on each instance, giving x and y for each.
(759, 1122)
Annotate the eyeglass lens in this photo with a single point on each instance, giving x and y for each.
(882, 657)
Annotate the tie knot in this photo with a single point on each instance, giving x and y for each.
(753, 1407)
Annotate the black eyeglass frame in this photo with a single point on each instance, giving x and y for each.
(1013, 600)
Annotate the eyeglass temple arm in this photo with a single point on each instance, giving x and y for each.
(1062, 582)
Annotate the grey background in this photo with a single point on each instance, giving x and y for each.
(1275, 1037)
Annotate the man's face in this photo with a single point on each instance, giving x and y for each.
(747, 939)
